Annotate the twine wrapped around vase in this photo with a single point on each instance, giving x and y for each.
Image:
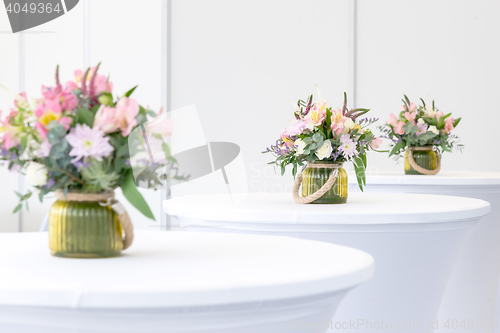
(417, 167)
(319, 193)
(104, 199)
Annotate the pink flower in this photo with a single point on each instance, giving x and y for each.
(101, 83)
(337, 122)
(48, 111)
(106, 120)
(126, 111)
(413, 107)
(160, 125)
(410, 116)
(88, 142)
(296, 128)
(109, 119)
(398, 129)
(375, 143)
(316, 115)
(439, 114)
(448, 127)
(348, 146)
(393, 121)
(70, 86)
(45, 148)
(422, 128)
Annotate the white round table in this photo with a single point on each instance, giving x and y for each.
(177, 282)
(471, 293)
(415, 240)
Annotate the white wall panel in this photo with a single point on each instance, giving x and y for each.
(448, 50)
(243, 62)
(9, 69)
(126, 37)
(56, 42)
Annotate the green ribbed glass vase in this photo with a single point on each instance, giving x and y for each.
(426, 159)
(314, 178)
(84, 230)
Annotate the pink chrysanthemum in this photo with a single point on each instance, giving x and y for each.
(348, 146)
(88, 142)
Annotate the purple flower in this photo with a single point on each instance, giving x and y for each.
(50, 183)
(81, 165)
(348, 146)
(88, 142)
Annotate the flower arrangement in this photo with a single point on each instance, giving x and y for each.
(419, 126)
(75, 138)
(323, 133)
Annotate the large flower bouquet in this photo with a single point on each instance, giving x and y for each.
(419, 126)
(323, 133)
(76, 138)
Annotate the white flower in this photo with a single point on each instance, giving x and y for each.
(300, 145)
(36, 174)
(325, 150)
(429, 112)
(30, 150)
(433, 129)
(421, 121)
(348, 125)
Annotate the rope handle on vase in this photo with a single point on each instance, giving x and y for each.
(105, 199)
(319, 193)
(418, 168)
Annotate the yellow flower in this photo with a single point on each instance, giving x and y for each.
(48, 116)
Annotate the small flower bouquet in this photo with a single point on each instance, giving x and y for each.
(421, 132)
(325, 137)
(74, 141)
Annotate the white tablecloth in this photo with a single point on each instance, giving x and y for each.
(170, 281)
(471, 293)
(415, 240)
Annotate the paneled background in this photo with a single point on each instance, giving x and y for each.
(244, 62)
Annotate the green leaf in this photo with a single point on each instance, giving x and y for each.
(18, 208)
(24, 142)
(455, 123)
(128, 93)
(397, 148)
(361, 168)
(135, 197)
(122, 151)
(84, 116)
(328, 120)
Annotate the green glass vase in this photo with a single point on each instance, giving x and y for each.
(313, 178)
(84, 229)
(424, 157)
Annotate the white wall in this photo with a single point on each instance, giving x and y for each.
(448, 50)
(243, 62)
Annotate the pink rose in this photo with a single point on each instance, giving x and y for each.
(126, 111)
(393, 121)
(375, 143)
